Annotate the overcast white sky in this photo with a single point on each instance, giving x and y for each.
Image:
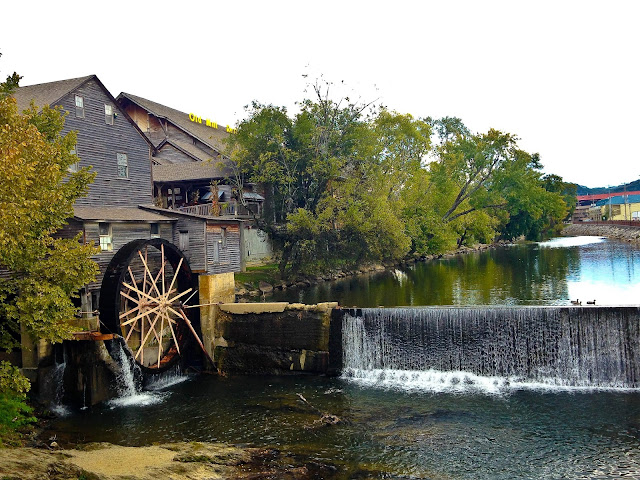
(562, 75)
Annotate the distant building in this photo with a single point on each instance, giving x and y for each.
(619, 207)
(581, 214)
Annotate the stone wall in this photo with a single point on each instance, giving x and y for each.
(269, 338)
(618, 232)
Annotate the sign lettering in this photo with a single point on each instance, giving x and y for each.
(209, 123)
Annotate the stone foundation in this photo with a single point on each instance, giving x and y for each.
(618, 232)
(269, 338)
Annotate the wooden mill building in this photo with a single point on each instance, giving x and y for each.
(190, 168)
(119, 205)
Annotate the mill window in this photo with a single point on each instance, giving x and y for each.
(155, 230)
(74, 167)
(123, 165)
(79, 106)
(183, 240)
(108, 114)
(106, 237)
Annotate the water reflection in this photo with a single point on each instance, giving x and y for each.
(548, 273)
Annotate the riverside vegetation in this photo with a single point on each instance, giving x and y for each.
(41, 274)
(347, 184)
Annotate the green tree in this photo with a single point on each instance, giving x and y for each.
(478, 186)
(39, 273)
(329, 180)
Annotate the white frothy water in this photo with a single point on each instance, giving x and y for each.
(459, 382)
(564, 242)
(130, 391)
(141, 399)
(56, 380)
(491, 350)
(167, 379)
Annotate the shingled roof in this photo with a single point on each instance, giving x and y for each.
(178, 172)
(47, 93)
(51, 93)
(118, 214)
(213, 137)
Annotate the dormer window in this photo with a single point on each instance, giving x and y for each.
(108, 114)
(79, 106)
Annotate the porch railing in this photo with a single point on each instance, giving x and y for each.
(229, 209)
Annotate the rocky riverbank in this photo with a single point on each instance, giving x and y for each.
(618, 232)
(174, 461)
(250, 292)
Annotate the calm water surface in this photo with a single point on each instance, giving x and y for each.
(547, 273)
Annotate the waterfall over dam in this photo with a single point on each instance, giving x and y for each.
(494, 348)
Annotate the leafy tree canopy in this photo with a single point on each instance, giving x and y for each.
(333, 172)
(39, 273)
(347, 183)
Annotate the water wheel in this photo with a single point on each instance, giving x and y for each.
(142, 299)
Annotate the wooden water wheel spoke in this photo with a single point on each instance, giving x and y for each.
(147, 271)
(146, 288)
(151, 329)
(149, 297)
(160, 339)
(133, 277)
(178, 296)
(178, 314)
(162, 271)
(173, 334)
(141, 315)
(175, 277)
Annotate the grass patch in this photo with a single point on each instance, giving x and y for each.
(262, 273)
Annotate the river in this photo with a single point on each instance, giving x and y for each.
(417, 423)
(547, 273)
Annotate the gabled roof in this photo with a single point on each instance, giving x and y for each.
(47, 93)
(53, 92)
(178, 172)
(118, 214)
(212, 137)
(187, 148)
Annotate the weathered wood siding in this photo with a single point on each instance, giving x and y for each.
(148, 123)
(171, 154)
(228, 253)
(70, 230)
(98, 144)
(122, 233)
(195, 251)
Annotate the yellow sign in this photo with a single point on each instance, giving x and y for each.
(196, 119)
